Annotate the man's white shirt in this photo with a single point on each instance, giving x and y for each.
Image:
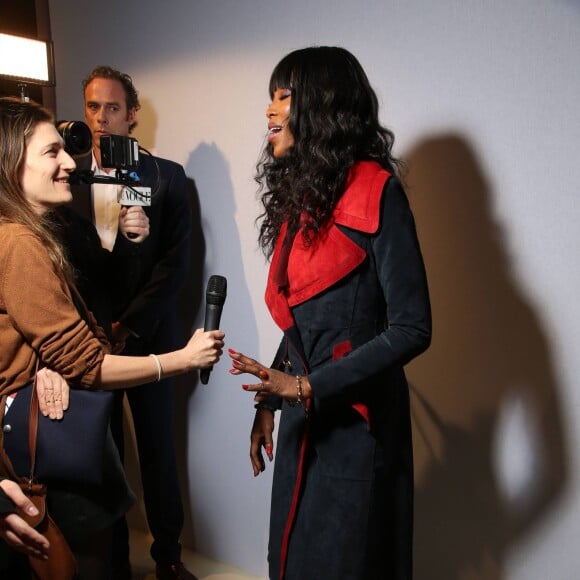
(106, 207)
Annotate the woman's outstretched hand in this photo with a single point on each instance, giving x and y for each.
(271, 381)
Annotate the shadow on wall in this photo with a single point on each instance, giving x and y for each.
(218, 252)
(490, 453)
(194, 418)
(189, 304)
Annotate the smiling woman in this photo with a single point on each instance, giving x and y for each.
(45, 178)
(278, 114)
(44, 322)
(348, 289)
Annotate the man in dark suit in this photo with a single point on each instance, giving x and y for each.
(143, 309)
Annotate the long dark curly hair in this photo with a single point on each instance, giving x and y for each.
(334, 122)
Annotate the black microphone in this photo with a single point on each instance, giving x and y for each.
(215, 296)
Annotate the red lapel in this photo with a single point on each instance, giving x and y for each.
(312, 269)
(275, 296)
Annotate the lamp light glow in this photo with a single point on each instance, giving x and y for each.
(26, 60)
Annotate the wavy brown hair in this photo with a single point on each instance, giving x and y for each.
(18, 120)
(334, 119)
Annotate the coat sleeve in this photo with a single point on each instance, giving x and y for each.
(170, 246)
(274, 402)
(401, 274)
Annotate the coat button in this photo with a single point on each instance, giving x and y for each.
(7, 428)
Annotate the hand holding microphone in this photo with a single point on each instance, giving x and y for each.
(203, 349)
(134, 223)
(205, 346)
(215, 298)
(122, 153)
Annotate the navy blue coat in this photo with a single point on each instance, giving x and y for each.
(355, 312)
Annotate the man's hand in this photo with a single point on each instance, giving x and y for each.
(133, 220)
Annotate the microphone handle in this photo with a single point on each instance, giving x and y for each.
(213, 315)
(204, 376)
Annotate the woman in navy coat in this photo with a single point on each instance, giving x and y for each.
(347, 287)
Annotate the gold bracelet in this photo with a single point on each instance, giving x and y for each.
(299, 402)
(159, 367)
(299, 391)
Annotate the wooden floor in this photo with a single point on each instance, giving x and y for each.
(202, 567)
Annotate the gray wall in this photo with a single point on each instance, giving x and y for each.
(483, 98)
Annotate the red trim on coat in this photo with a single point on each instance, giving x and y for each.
(363, 411)
(359, 206)
(275, 295)
(295, 496)
(312, 269)
(342, 349)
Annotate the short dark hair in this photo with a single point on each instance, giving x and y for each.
(107, 72)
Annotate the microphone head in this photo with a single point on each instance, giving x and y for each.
(216, 290)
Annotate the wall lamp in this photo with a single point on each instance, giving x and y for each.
(26, 61)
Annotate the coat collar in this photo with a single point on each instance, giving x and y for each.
(312, 269)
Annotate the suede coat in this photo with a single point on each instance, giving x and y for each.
(354, 312)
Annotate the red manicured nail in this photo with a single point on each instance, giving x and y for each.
(232, 351)
(236, 363)
(263, 374)
(245, 387)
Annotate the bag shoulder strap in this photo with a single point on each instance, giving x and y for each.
(32, 437)
(33, 427)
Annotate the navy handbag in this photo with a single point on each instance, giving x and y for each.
(70, 449)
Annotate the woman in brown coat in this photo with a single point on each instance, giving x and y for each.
(43, 318)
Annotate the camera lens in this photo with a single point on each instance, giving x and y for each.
(76, 136)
